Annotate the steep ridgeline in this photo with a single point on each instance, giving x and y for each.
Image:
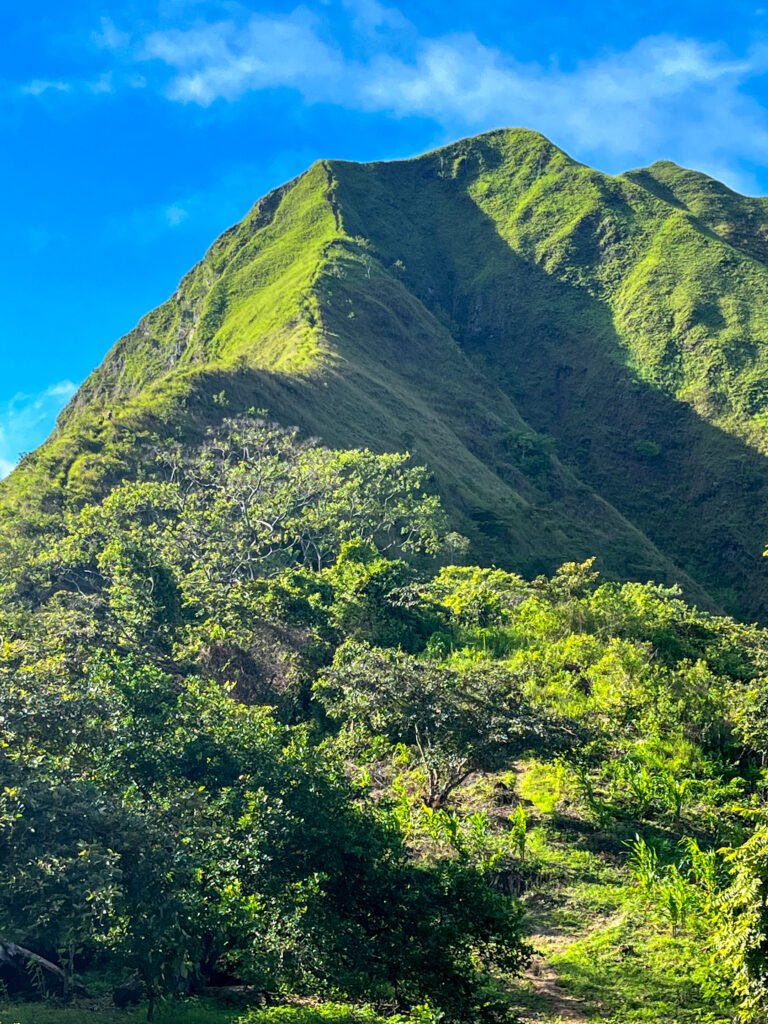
(582, 360)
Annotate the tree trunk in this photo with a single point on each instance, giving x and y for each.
(11, 951)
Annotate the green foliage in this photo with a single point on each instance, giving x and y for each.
(739, 960)
(172, 827)
(150, 821)
(337, 1013)
(477, 305)
(546, 784)
(250, 727)
(191, 1011)
(374, 600)
(456, 721)
(219, 564)
(669, 889)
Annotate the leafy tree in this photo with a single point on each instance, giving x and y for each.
(739, 960)
(375, 600)
(255, 498)
(164, 824)
(188, 569)
(458, 721)
(477, 597)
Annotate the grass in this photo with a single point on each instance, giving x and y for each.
(210, 1011)
(611, 956)
(481, 306)
(634, 971)
(187, 1012)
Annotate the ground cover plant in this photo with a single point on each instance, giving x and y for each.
(262, 739)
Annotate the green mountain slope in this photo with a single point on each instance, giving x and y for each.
(581, 360)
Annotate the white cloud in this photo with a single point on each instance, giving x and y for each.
(664, 97)
(40, 85)
(101, 84)
(64, 389)
(26, 420)
(224, 60)
(370, 15)
(109, 37)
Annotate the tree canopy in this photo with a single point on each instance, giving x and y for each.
(246, 710)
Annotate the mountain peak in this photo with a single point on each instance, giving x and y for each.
(579, 359)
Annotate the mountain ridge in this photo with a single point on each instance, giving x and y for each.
(576, 356)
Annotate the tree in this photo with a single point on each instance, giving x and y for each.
(457, 721)
(158, 562)
(255, 498)
(739, 947)
(169, 828)
(375, 599)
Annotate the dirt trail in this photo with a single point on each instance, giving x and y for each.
(556, 1004)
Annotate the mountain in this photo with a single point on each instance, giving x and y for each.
(581, 360)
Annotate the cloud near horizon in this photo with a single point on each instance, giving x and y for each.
(26, 420)
(665, 96)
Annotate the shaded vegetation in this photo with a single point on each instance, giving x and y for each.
(254, 734)
(482, 306)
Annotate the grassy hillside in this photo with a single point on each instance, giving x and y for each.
(579, 359)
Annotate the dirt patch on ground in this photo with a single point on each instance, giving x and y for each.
(555, 1003)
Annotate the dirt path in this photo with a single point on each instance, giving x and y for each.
(546, 1000)
(555, 1003)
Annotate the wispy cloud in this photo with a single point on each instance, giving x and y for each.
(144, 225)
(101, 84)
(40, 85)
(109, 37)
(664, 96)
(175, 215)
(226, 59)
(26, 420)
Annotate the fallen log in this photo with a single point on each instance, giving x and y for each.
(18, 959)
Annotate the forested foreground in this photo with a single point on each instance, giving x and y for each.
(268, 754)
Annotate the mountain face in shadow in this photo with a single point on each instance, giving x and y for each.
(581, 360)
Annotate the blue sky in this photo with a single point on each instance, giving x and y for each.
(134, 133)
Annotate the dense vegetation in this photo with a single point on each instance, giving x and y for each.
(272, 749)
(259, 726)
(578, 358)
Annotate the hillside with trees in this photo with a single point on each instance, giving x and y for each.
(383, 629)
(266, 739)
(578, 359)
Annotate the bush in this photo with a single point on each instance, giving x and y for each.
(337, 1013)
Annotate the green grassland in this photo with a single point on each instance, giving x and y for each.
(579, 359)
